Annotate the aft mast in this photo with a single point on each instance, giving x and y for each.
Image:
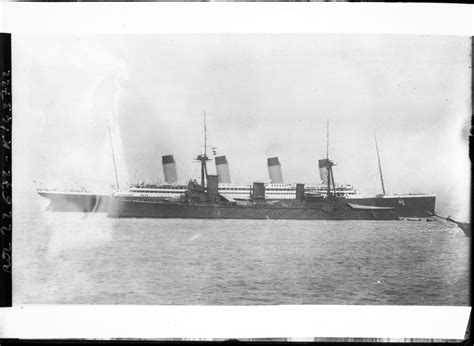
(203, 157)
(380, 165)
(113, 156)
(329, 165)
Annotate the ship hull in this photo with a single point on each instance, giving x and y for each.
(408, 206)
(76, 202)
(120, 208)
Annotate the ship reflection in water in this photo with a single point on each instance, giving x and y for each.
(62, 258)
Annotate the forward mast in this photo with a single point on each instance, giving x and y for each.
(203, 157)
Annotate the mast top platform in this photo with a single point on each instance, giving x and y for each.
(203, 158)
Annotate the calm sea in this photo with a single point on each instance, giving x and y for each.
(68, 258)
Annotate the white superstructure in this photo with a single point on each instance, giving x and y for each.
(234, 191)
(157, 191)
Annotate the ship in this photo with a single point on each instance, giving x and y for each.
(204, 200)
(408, 205)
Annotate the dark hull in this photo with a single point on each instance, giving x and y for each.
(408, 206)
(411, 206)
(73, 202)
(121, 208)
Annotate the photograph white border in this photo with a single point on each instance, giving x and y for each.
(307, 322)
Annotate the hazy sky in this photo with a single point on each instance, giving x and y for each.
(264, 95)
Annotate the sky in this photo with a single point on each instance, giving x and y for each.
(263, 94)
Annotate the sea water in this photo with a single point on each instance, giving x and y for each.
(75, 258)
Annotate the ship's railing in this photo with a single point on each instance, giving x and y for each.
(62, 190)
